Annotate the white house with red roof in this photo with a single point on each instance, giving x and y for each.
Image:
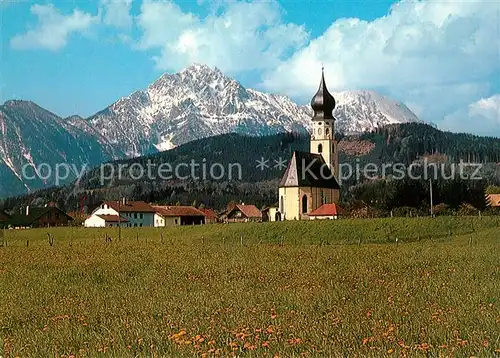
(178, 215)
(122, 213)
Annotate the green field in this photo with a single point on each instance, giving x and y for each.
(293, 289)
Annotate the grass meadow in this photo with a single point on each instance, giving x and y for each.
(405, 287)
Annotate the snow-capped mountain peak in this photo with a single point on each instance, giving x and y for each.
(200, 101)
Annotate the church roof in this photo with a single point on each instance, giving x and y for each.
(310, 170)
(323, 102)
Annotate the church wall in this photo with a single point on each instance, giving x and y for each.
(289, 206)
(329, 152)
(323, 133)
(320, 196)
(292, 200)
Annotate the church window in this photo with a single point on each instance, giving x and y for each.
(304, 204)
(333, 148)
(327, 131)
(319, 131)
(320, 148)
(282, 205)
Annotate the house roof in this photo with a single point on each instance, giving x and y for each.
(250, 211)
(130, 206)
(308, 170)
(209, 213)
(113, 218)
(33, 215)
(325, 210)
(178, 211)
(494, 199)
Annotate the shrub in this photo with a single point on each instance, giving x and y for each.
(467, 210)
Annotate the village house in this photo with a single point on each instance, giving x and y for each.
(243, 213)
(211, 216)
(36, 217)
(310, 179)
(106, 220)
(271, 213)
(325, 211)
(121, 213)
(178, 215)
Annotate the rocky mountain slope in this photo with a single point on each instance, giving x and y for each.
(33, 140)
(195, 103)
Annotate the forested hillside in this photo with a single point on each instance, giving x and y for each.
(405, 144)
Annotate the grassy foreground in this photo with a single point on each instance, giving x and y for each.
(341, 288)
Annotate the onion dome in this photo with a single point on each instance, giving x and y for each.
(323, 102)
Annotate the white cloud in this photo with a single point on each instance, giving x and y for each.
(240, 37)
(434, 55)
(117, 13)
(480, 117)
(53, 28)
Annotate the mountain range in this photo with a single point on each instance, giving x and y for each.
(195, 103)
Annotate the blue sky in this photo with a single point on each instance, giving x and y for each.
(441, 58)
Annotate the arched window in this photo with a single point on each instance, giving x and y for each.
(320, 148)
(327, 131)
(319, 131)
(282, 205)
(304, 204)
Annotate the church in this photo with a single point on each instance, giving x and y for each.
(310, 186)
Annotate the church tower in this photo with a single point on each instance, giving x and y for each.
(309, 188)
(323, 127)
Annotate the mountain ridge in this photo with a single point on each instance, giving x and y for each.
(177, 108)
